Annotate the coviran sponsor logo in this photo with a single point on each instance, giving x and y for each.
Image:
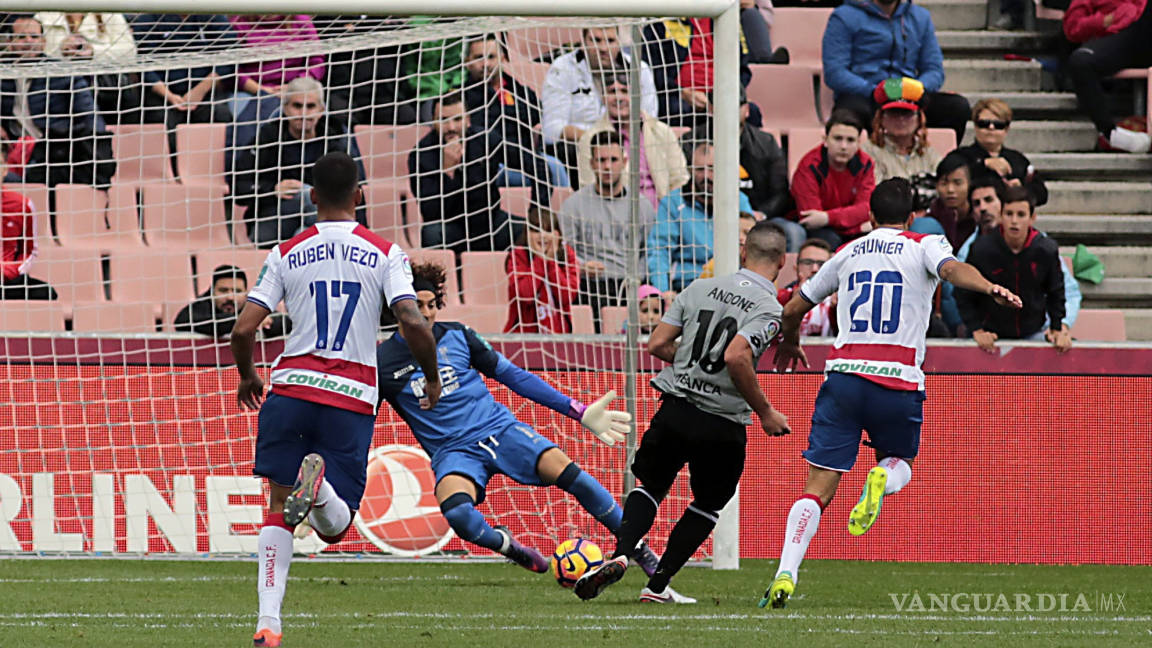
(321, 382)
(865, 368)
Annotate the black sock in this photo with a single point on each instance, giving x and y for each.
(639, 513)
(686, 537)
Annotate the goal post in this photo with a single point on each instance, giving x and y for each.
(172, 507)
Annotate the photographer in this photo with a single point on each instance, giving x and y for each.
(949, 213)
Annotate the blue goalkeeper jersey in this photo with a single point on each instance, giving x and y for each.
(467, 412)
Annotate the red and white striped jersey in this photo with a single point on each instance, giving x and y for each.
(334, 278)
(885, 284)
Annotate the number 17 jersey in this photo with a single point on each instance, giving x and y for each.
(334, 278)
(885, 284)
(711, 313)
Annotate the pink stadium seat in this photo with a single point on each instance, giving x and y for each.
(141, 152)
(200, 154)
(788, 272)
(613, 319)
(534, 42)
(530, 73)
(33, 316)
(786, 95)
(801, 30)
(392, 212)
(114, 318)
(240, 229)
(92, 219)
(559, 195)
(1100, 325)
(800, 141)
(445, 259)
(152, 278)
(250, 261)
(76, 274)
(516, 200)
(942, 139)
(484, 319)
(826, 99)
(385, 149)
(185, 217)
(582, 322)
(485, 281)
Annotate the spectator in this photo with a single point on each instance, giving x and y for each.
(432, 69)
(868, 42)
(572, 98)
(993, 118)
(18, 243)
(453, 178)
(820, 321)
(507, 111)
(664, 50)
(650, 307)
(696, 73)
(186, 95)
(833, 182)
(273, 177)
(366, 82)
(681, 241)
(1114, 35)
(105, 39)
(950, 214)
(899, 142)
(543, 277)
(258, 84)
(1023, 257)
(214, 312)
(747, 220)
(597, 219)
(72, 144)
(662, 164)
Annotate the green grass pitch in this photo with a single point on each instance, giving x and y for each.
(112, 602)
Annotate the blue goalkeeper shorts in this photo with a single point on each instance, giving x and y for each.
(514, 452)
(291, 428)
(848, 404)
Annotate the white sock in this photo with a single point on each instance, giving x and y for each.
(803, 520)
(275, 556)
(330, 515)
(899, 474)
(1131, 141)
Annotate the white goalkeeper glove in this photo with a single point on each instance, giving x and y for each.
(608, 425)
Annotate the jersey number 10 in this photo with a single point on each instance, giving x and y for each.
(710, 343)
(320, 290)
(874, 290)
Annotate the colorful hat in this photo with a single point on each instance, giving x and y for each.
(899, 92)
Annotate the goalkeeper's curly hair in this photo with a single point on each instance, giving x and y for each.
(434, 274)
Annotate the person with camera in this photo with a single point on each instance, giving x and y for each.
(949, 213)
(899, 140)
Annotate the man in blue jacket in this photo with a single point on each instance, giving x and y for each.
(868, 42)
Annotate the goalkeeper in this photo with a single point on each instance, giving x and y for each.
(471, 437)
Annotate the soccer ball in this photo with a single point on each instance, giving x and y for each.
(574, 557)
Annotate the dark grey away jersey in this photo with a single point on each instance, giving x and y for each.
(711, 312)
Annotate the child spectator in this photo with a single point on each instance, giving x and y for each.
(833, 183)
(651, 308)
(543, 277)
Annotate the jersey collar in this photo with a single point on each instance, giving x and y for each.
(757, 278)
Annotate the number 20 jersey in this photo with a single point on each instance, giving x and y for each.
(334, 278)
(711, 313)
(885, 284)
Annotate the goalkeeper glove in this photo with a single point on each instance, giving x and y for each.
(608, 425)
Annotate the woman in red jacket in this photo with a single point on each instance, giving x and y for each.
(1115, 36)
(543, 277)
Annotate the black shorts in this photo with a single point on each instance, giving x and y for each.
(711, 445)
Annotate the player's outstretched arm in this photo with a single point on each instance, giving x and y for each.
(251, 389)
(966, 276)
(742, 369)
(418, 333)
(662, 342)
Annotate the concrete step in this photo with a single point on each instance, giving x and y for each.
(1117, 290)
(1075, 197)
(1046, 136)
(964, 75)
(1072, 165)
(1030, 103)
(1120, 261)
(958, 43)
(1071, 229)
(1138, 323)
(957, 14)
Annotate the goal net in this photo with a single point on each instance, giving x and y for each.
(557, 169)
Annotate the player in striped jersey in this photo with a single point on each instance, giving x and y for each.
(316, 426)
(885, 283)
